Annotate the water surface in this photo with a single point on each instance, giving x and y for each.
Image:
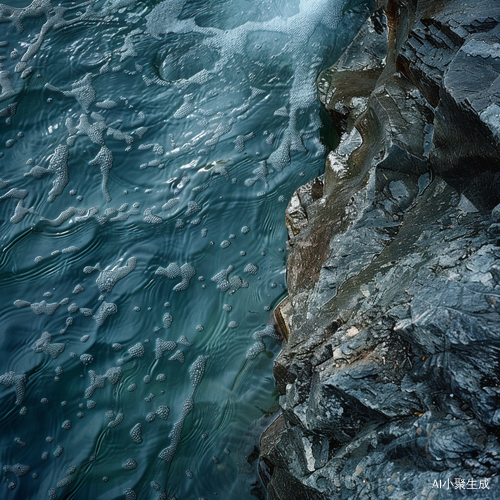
(148, 150)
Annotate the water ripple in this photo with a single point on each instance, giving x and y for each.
(142, 196)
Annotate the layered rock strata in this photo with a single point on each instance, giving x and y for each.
(390, 379)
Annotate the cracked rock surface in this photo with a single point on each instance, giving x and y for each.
(390, 379)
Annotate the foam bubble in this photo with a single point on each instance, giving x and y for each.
(257, 348)
(172, 271)
(44, 345)
(10, 379)
(129, 464)
(73, 308)
(44, 308)
(170, 203)
(186, 108)
(239, 142)
(178, 356)
(167, 320)
(251, 269)
(130, 494)
(15, 193)
(86, 359)
(108, 278)
(221, 278)
(106, 104)
(260, 174)
(19, 470)
(163, 412)
(268, 331)
(136, 433)
(192, 208)
(137, 350)
(118, 420)
(98, 381)
(59, 166)
(81, 90)
(150, 417)
(197, 370)
(163, 346)
(105, 160)
(65, 481)
(150, 217)
(105, 310)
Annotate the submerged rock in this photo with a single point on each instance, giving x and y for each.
(389, 381)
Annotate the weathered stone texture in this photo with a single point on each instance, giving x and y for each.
(390, 379)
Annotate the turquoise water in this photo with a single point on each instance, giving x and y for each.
(148, 151)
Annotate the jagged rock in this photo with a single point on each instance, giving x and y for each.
(297, 213)
(281, 317)
(389, 380)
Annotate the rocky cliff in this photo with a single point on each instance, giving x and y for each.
(390, 379)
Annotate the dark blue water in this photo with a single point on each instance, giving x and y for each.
(148, 151)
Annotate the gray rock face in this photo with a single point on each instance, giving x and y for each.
(390, 380)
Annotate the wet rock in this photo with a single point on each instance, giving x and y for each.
(389, 379)
(281, 313)
(297, 213)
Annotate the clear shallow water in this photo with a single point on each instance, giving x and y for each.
(148, 153)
